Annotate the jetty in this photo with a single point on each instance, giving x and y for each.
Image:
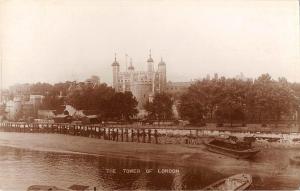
(151, 133)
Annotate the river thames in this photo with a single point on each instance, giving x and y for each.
(21, 168)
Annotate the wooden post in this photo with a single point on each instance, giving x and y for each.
(149, 135)
(126, 132)
(113, 134)
(144, 136)
(108, 133)
(132, 135)
(156, 136)
(117, 135)
(104, 134)
(122, 134)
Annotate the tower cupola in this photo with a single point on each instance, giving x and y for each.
(130, 68)
(115, 63)
(150, 58)
(161, 63)
(115, 69)
(150, 63)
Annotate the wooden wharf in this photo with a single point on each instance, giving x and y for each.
(147, 133)
(106, 132)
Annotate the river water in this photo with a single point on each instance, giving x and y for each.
(21, 168)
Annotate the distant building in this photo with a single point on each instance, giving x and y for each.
(46, 114)
(242, 77)
(142, 84)
(13, 109)
(93, 81)
(28, 110)
(20, 89)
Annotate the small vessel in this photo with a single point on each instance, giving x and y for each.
(54, 188)
(44, 188)
(235, 182)
(236, 149)
(295, 160)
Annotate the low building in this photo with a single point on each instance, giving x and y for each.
(46, 114)
(28, 110)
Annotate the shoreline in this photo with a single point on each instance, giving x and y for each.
(270, 164)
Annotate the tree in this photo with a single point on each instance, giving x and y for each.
(51, 102)
(232, 100)
(191, 108)
(284, 100)
(160, 108)
(109, 104)
(40, 88)
(123, 106)
(233, 104)
(86, 97)
(201, 100)
(263, 90)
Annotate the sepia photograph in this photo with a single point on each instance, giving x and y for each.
(100, 95)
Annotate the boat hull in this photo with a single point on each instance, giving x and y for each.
(240, 154)
(237, 182)
(295, 160)
(44, 188)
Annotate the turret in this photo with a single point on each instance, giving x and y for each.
(131, 72)
(150, 63)
(116, 69)
(162, 74)
(130, 68)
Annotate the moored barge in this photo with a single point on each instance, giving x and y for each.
(237, 149)
(295, 160)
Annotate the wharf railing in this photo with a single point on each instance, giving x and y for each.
(115, 133)
(137, 132)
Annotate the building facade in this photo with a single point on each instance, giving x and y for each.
(142, 84)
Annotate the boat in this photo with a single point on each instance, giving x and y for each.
(74, 187)
(295, 160)
(44, 188)
(235, 182)
(236, 149)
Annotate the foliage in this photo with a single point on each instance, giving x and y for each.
(51, 102)
(109, 104)
(84, 96)
(229, 100)
(160, 108)
(123, 106)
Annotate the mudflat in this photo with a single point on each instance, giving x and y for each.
(270, 166)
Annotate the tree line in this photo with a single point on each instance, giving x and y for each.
(222, 100)
(232, 100)
(99, 98)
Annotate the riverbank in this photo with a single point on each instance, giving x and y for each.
(270, 166)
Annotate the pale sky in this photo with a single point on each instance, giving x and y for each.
(59, 40)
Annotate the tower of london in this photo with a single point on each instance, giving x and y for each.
(142, 84)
